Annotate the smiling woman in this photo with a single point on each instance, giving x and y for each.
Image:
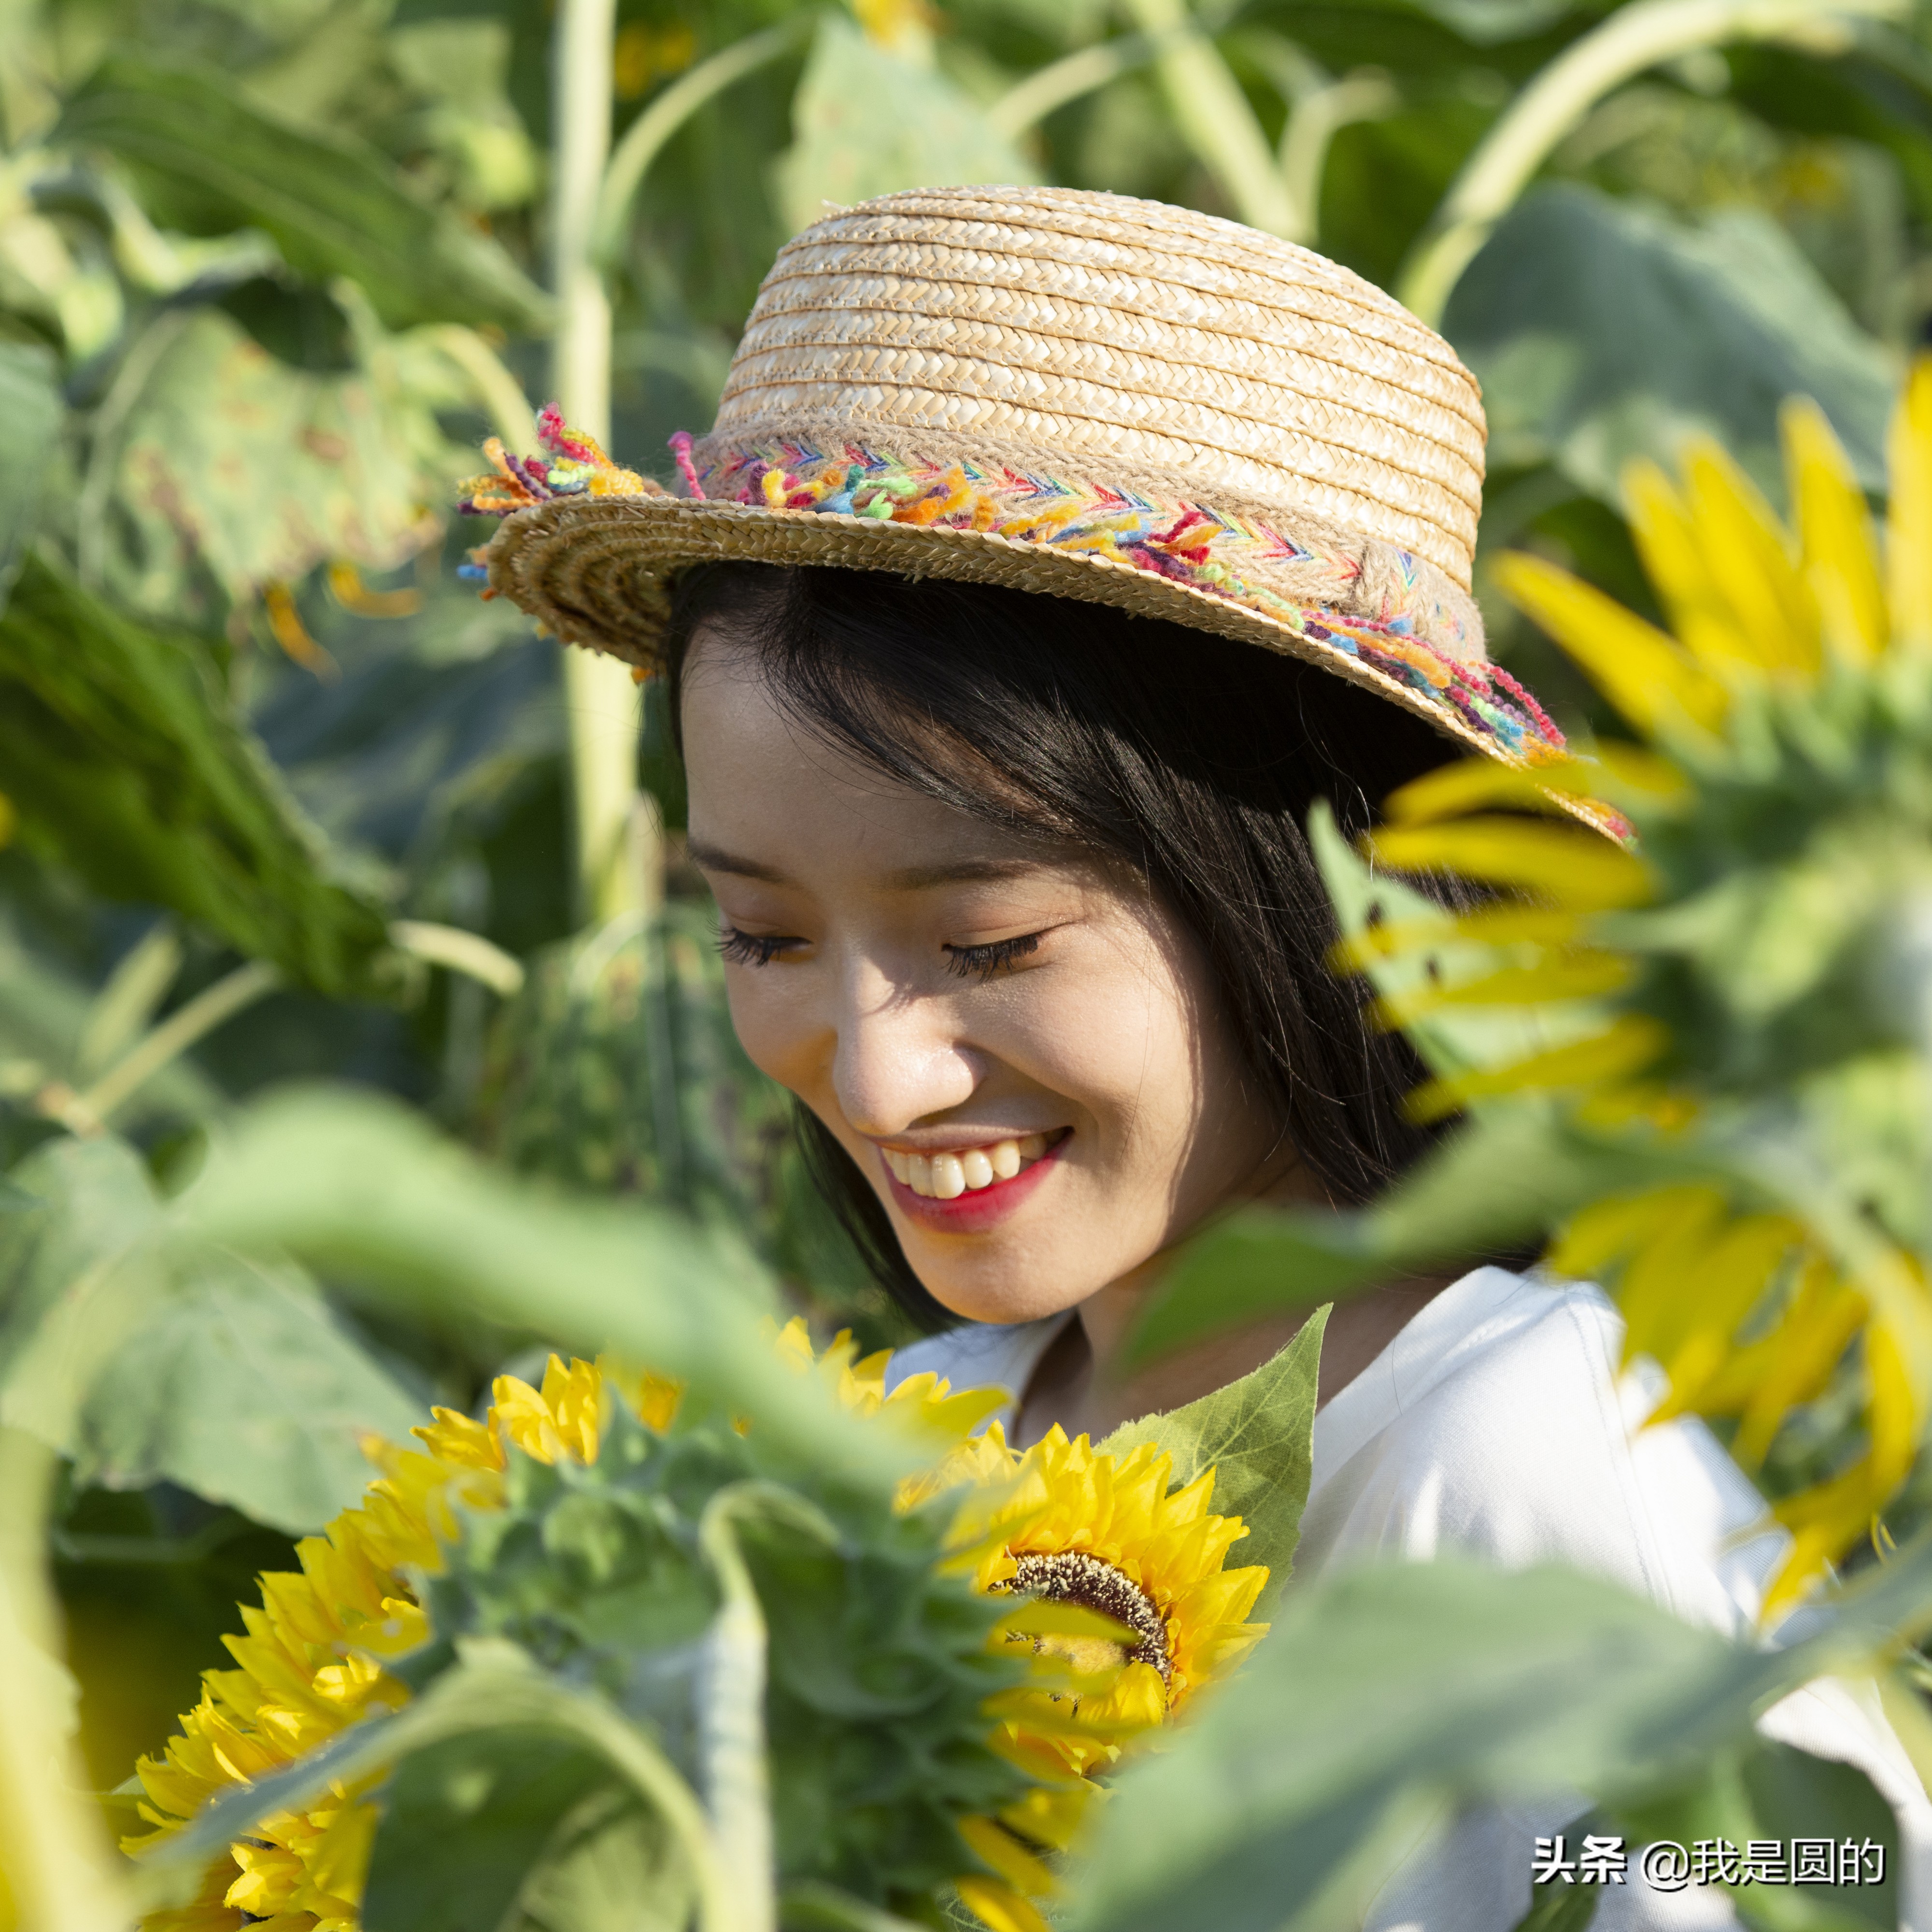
(1052, 556)
(1029, 924)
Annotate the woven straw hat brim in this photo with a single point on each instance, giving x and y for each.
(597, 570)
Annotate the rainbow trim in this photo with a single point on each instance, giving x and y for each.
(1189, 544)
(575, 466)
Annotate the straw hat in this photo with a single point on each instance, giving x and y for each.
(1077, 394)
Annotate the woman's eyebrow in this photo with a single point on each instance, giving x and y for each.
(908, 879)
(714, 858)
(958, 872)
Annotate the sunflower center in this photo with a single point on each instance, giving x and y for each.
(1072, 1577)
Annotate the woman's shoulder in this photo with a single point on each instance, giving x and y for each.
(1501, 1423)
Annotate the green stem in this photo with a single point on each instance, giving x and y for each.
(1631, 40)
(1213, 116)
(731, 1712)
(1084, 71)
(469, 953)
(499, 392)
(55, 1857)
(814, 1907)
(187, 1024)
(644, 139)
(125, 1005)
(599, 695)
(470, 1699)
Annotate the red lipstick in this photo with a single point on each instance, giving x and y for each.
(978, 1209)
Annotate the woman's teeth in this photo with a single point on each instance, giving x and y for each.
(945, 1177)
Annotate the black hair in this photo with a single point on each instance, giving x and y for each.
(1191, 758)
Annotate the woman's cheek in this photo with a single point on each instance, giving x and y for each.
(772, 1023)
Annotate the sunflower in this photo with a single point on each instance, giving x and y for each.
(1718, 1000)
(1124, 1588)
(310, 1662)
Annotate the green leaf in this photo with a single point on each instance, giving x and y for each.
(78, 1274)
(1392, 1692)
(611, 1867)
(1257, 1435)
(1498, 1182)
(1602, 329)
(241, 1386)
(212, 160)
(1769, 1790)
(232, 462)
(465, 1823)
(868, 122)
(45, 1012)
(361, 1187)
(31, 408)
(126, 762)
(148, 1362)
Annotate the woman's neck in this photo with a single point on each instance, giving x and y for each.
(1083, 1382)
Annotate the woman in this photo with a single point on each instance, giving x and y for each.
(1051, 555)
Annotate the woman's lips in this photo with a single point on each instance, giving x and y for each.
(977, 1208)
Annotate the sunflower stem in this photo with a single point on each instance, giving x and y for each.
(1629, 42)
(647, 136)
(599, 694)
(1214, 117)
(188, 1024)
(469, 953)
(731, 1709)
(56, 1864)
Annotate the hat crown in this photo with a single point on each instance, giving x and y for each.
(1141, 345)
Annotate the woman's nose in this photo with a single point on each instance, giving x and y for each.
(899, 1059)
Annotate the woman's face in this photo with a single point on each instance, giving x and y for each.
(1017, 1046)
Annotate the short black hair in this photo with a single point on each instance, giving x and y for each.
(1193, 759)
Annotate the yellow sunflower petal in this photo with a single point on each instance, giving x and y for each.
(998, 1907)
(1746, 555)
(1908, 549)
(1571, 867)
(1646, 674)
(1627, 1047)
(1838, 544)
(991, 1841)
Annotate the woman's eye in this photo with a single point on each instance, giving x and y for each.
(753, 948)
(983, 962)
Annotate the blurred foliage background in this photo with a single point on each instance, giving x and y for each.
(283, 799)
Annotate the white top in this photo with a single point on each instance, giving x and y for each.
(1495, 1425)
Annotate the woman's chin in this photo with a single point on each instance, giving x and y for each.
(1025, 1283)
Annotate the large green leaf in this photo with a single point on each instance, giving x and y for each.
(241, 1385)
(31, 408)
(1394, 1692)
(465, 1821)
(1257, 1435)
(148, 1361)
(212, 160)
(1602, 330)
(361, 1187)
(867, 122)
(125, 760)
(1498, 1182)
(77, 1273)
(230, 461)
